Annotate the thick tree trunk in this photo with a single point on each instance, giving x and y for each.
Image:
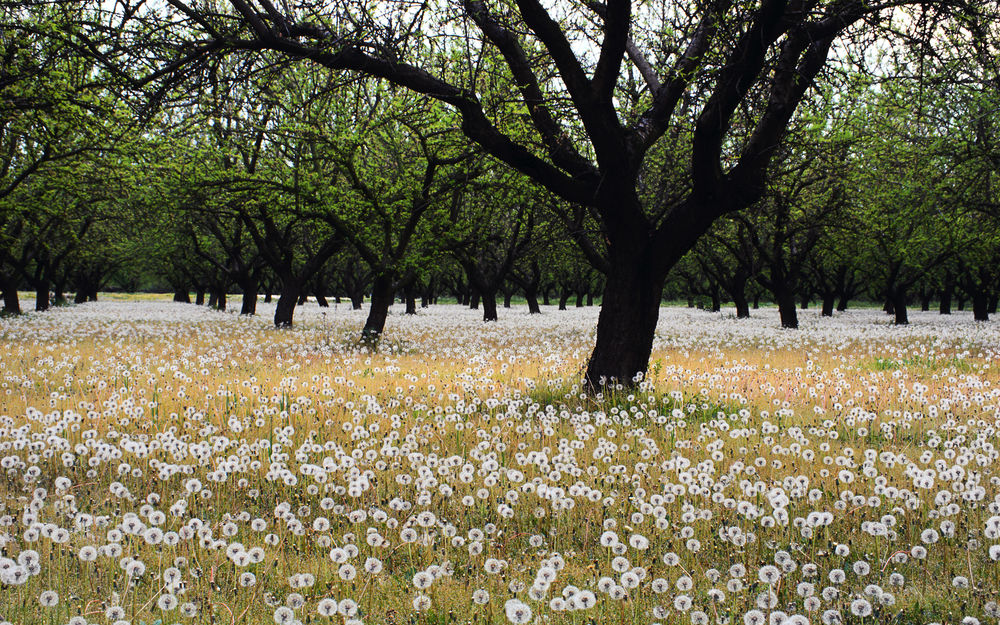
(690, 301)
(42, 297)
(249, 305)
(925, 301)
(81, 296)
(489, 299)
(980, 306)
(220, 300)
(410, 295)
(889, 307)
(474, 301)
(805, 302)
(961, 303)
(564, 298)
(531, 294)
(321, 300)
(716, 300)
(11, 303)
(284, 310)
(381, 300)
(786, 310)
(199, 297)
(507, 295)
(546, 301)
(357, 299)
(627, 323)
(829, 299)
(590, 298)
(213, 297)
(842, 303)
(181, 295)
(579, 299)
(898, 302)
(742, 306)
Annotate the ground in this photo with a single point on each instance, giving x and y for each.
(167, 463)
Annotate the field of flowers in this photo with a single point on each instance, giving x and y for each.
(164, 463)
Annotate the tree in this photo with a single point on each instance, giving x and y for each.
(575, 103)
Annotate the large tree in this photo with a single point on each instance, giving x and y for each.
(575, 97)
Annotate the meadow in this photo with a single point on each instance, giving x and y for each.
(164, 463)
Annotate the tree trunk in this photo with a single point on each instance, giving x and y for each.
(381, 300)
(786, 310)
(980, 306)
(199, 297)
(564, 298)
(842, 303)
(267, 294)
(579, 299)
(42, 296)
(181, 295)
(756, 301)
(828, 301)
(474, 301)
(590, 298)
(545, 297)
(889, 307)
(213, 297)
(947, 292)
(284, 310)
(898, 302)
(489, 305)
(925, 301)
(742, 305)
(961, 303)
(410, 295)
(249, 305)
(81, 296)
(507, 295)
(716, 300)
(805, 302)
(357, 298)
(531, 294)
(626, 325)
(11, 303)
(220, 300)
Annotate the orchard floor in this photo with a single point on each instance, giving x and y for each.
(165, 463)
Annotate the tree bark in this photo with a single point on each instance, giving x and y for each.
(181, 295)
(381, 300)
(11, 303)
(42, 296)
(627, 322)
(564, 298)
(786, 310)
(579, 299)
(531, 294)
(507, 295)
(829, 299)
(980, 306)
(284, 310)
(410, 295)
(489, 299)
(898, 302)
(199, 297)
(249, 305)
(742, 306)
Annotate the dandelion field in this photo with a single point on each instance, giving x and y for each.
(164, 463)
